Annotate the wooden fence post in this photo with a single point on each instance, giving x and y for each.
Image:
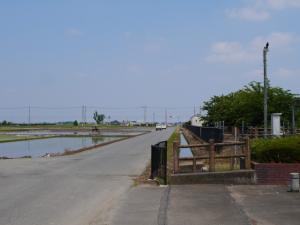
(247, 153)
(211, 155)
(194, 164)
(175, 157)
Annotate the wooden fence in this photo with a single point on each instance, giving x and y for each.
(211, 148)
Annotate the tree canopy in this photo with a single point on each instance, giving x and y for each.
(99, 118)
(246, 105)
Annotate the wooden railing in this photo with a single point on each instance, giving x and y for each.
(211, 148)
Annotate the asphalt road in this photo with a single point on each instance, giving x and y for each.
(72, 190)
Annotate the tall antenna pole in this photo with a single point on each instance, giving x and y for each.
(266, 49)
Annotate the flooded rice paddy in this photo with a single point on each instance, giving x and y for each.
(41, 147)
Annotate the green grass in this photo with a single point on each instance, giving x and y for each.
(172, 138)
(278, 150)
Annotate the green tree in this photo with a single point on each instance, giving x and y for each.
(247, 105)
(75, 123)
(99, 118)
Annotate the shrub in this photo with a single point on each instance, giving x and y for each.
(278, 150)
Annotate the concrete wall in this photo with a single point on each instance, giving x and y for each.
(228, 177)
(274, 173)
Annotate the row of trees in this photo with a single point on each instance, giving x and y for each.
(246, 105)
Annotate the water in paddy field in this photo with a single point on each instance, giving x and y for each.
(184, 152)
(40, 147)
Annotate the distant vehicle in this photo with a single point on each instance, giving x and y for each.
(158, 127)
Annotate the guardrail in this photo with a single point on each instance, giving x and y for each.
(211, 147)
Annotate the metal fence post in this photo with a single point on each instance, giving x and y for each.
(165, 157)
(211, 155)
(152, 162)
(175, 156)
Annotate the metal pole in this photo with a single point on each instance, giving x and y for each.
(266, 49)
(145, 114)
(293, 120)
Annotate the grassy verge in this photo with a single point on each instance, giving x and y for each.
(172, 138)
(278, 150)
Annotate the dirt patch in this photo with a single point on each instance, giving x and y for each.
(144, 178)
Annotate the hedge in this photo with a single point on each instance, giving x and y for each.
(278, 150)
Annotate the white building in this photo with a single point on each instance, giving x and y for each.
(196, 121)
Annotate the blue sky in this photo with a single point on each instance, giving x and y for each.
(116, 56)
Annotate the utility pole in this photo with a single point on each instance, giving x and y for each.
(83, 115)
(293, 119)
(265, 51)
(85, 120)
(153, 117)
(194, 110)
(166, 117)
(294, 104)
(145, 113)
(29, 115)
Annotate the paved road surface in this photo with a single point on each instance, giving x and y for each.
(72, 190)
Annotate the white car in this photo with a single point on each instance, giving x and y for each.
(158, 127)
(163, 126)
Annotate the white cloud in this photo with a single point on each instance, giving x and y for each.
(235, 52)
(228, 52)
(248, 13)
(260, 10)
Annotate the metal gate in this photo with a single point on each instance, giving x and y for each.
(159, 161)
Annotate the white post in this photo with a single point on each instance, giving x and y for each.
(294, 182)
(276, 128)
